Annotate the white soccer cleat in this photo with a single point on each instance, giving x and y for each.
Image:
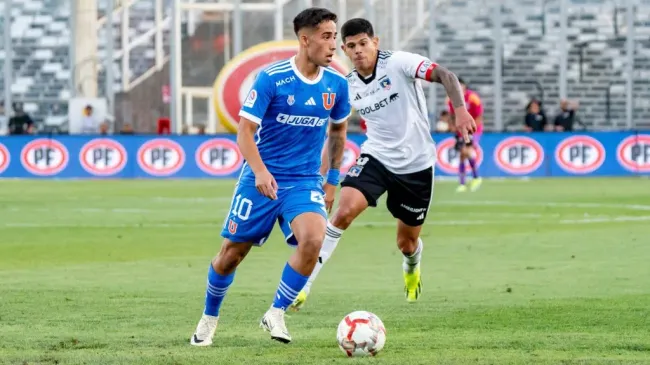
(204, 331)
(273, 321)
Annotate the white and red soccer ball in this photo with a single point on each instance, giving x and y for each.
(361, 333)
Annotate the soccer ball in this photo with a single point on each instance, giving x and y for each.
(361, 333)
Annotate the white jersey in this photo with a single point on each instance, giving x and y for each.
(392, 103)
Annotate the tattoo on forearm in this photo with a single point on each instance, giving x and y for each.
(449, 80)
(336, 144)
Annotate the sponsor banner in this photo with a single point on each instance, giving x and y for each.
(448, 158)
(217, 156)
(232, 87)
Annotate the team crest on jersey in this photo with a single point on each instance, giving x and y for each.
(384, 82)
(328, 100)
(291, 99)
(236, 78)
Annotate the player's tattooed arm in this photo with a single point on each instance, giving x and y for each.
(336, 144)
(452, 86)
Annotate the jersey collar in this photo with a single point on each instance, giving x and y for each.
(367, 80)
(292, 61)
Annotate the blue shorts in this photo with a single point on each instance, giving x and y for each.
(252, 216)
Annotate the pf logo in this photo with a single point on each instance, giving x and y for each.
(633, 153)
(103, 157)
(519, 155)
(5, 158)
(449, 159)
(44, 157)
(219, 157)
(236, 78)
(580, 154)
(161, 157)
(350, 155)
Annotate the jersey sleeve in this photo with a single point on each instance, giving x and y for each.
(475, 106)
(259, 98)
(341, 110)
(413, 65)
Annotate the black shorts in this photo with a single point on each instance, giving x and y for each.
(460, 142)
(409, 195)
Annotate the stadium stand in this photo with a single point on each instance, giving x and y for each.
(464, 40)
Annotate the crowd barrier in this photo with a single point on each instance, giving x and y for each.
(217, 156)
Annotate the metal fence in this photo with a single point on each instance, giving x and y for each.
(167, 54)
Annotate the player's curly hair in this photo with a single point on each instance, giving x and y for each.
(311, 18)
(357, 26)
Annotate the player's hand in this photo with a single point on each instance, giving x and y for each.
(330, 194)
(266, 185)
(465, 123)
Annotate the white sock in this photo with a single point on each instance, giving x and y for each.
(410, 263)
(332, 237)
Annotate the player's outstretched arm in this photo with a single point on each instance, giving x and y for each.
(335, 148)
(463, 120)
(264, 181)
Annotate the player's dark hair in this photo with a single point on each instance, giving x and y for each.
(356, 26)
(460, 79)
(311, 18)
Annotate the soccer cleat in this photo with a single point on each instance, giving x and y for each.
(204, 331)
(475, 184)
(461, 189)
(412, 285)
(273, 321)
(299, 302)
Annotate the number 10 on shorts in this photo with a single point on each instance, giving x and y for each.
(242, 207)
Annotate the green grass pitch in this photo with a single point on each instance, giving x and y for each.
(520, 272)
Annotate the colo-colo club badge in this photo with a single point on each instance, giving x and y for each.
(236, 78)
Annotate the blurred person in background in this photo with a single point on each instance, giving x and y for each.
(467, 150)
(21, 122)
(89, 122)
(567, 117)
(442, 126)
(535, 120)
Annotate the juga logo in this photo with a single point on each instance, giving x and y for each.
(236, 78)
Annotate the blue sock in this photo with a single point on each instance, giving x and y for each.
(291, 284)
(216, 290)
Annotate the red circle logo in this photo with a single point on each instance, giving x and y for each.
(580, 154)
(519, 155)
(350, 155)
(633, 153)
(103, 157)
(449, 159)
(231, 88)
(161, 157)
(5, 158)
(44, 157)
(219, 157)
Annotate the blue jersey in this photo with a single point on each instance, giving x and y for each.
(293, 113)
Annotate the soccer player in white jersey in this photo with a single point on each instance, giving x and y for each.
(399, 155)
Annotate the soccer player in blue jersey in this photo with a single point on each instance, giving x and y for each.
(281, 135)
